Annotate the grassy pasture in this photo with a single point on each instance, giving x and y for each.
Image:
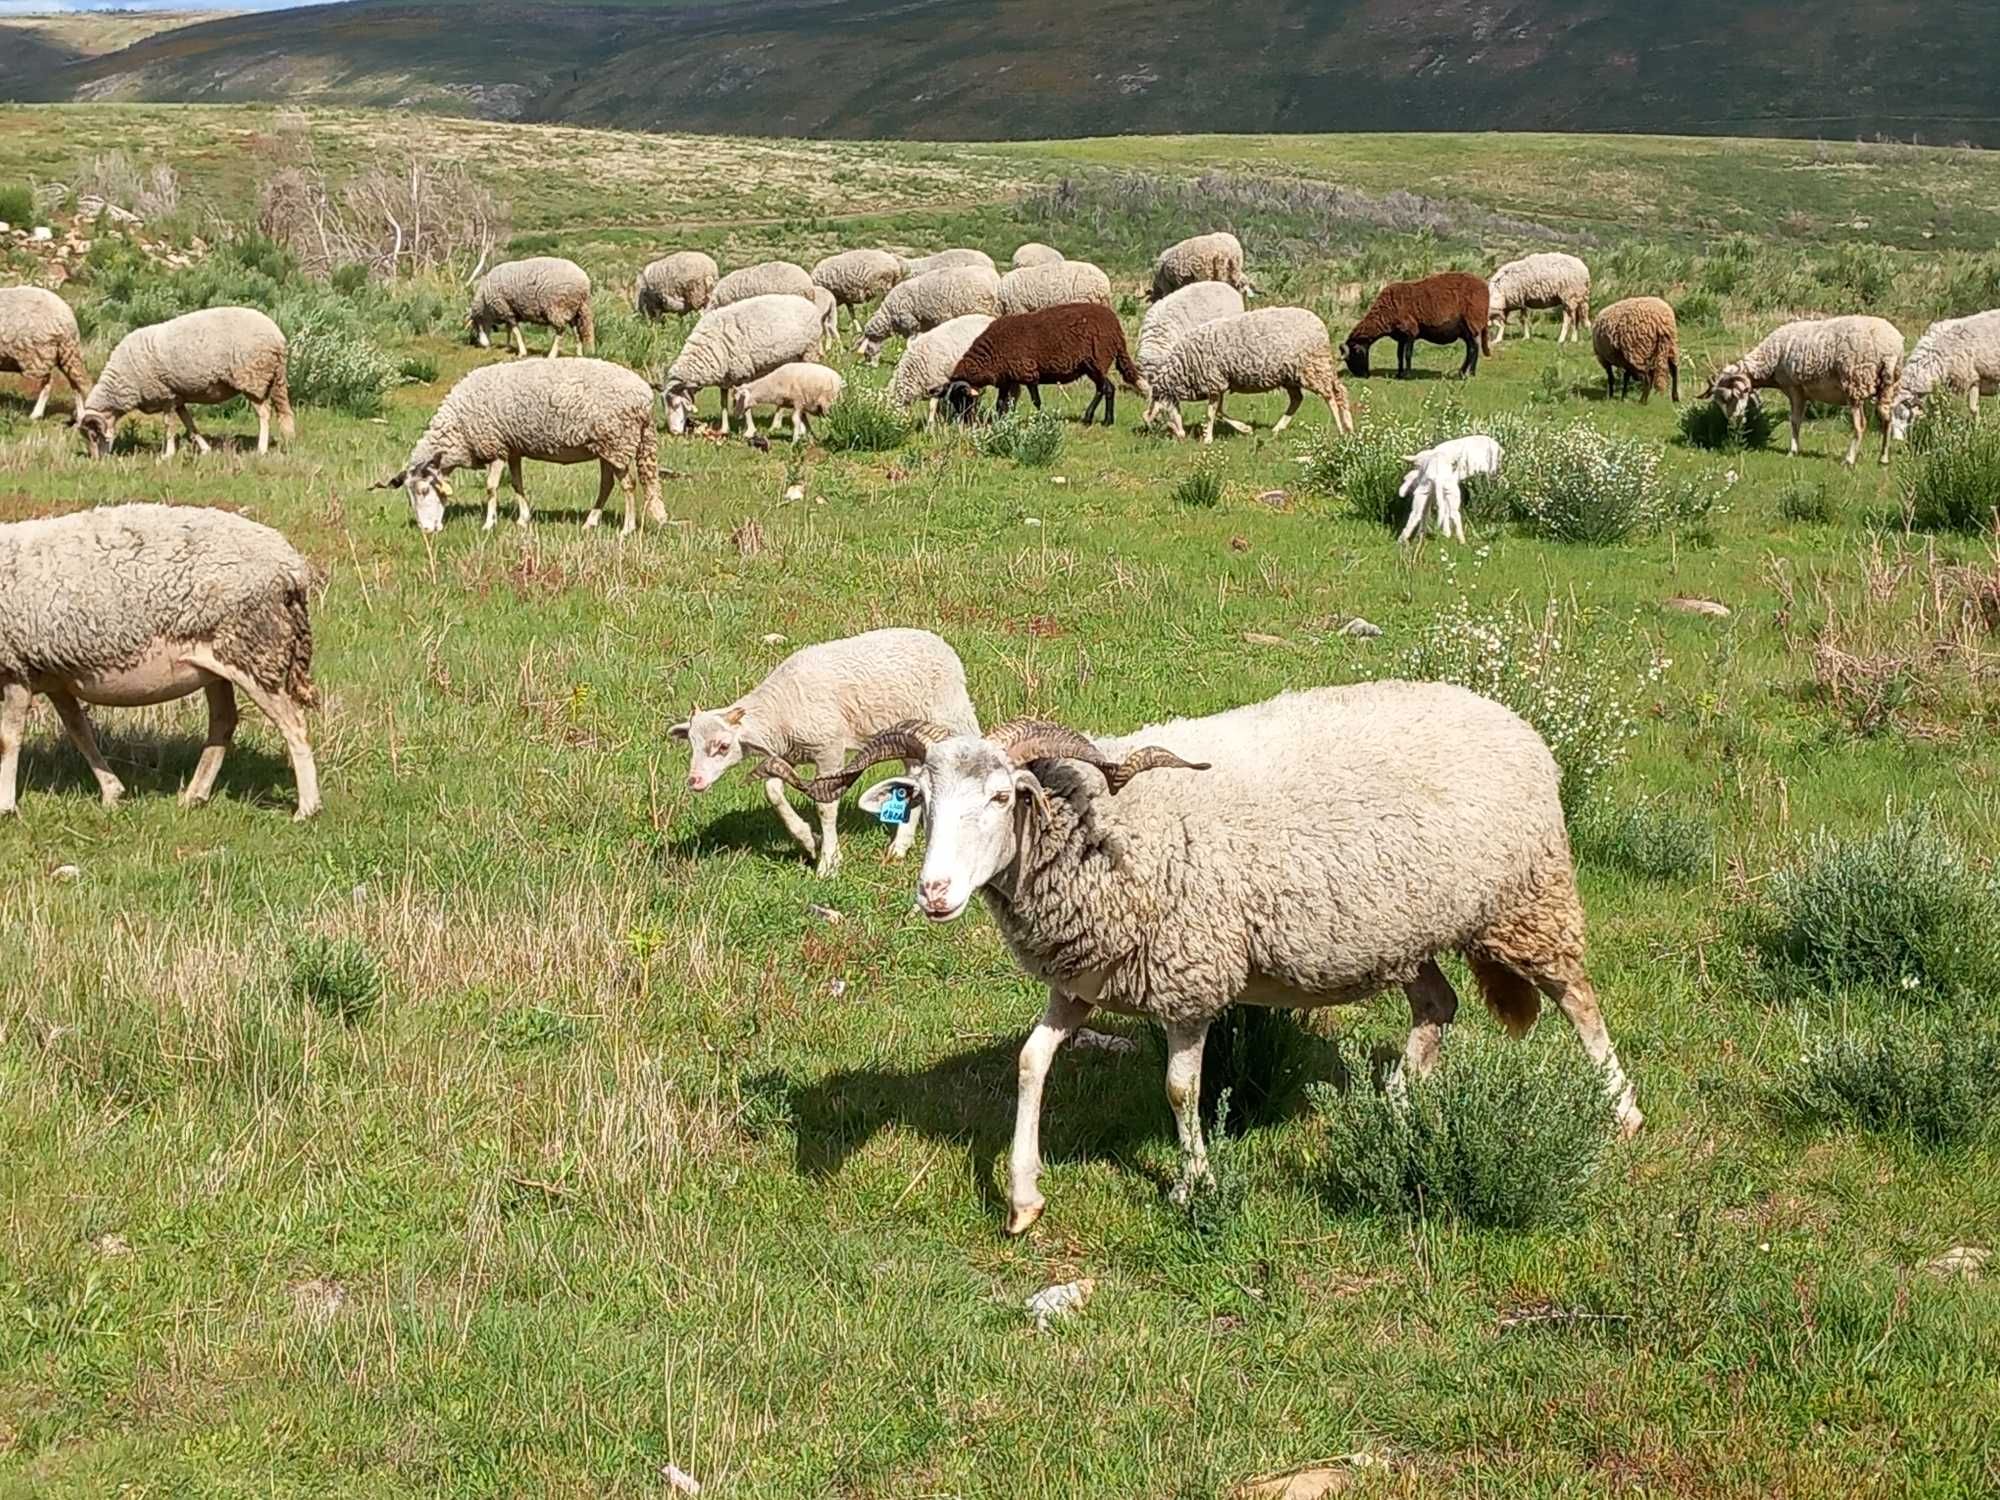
(603, 1146)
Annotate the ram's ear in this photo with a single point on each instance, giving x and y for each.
(1030, 789)
(871, 800)
(393, 482)
(443, 485)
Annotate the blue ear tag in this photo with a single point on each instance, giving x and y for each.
(895, 807)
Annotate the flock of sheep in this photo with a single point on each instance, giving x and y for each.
(1167, 873)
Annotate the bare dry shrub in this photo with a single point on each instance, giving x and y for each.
(150, 192)
(407, 218)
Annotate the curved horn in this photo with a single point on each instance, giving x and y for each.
(909, 742)
(1024, 740)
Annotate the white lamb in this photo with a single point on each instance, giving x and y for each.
(1961, 355)
(802, 388)
(1435, 477)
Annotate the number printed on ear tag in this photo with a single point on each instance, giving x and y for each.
(895, 807)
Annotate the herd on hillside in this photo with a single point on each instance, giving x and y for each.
(1160, 873)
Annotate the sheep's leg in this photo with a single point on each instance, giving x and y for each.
(795, 825)
(1208, 424)
(1882, 414)
(1419, 503)
(187, 421)
(930, 416)
(1451, 508)
(1471, 365)
(829, 836)
(1571, 989)
(1024, 1161)
(555, 342)
(606, 477)
(520, 488)
(1185, 1040)
(14, 701)
(493, 472)
(798, 422)
(76, 724)
(1433, 1005)
(1295, 399)
(221, 731)
(1798, 420)
(520, 343)
(286, 716)
(173, 441)
(1971, 398)
(42, 399)
(1222, 413)
(263, 427)
(727, 392)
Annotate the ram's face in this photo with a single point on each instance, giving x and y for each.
(715, 743)
(428, 490)
(96, 428)
(1731, 392)
(972, 799)
(680, 410)
(1904, 415)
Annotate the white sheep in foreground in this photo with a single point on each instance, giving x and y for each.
(1435, 479)
(139, 604)
(858, 277)
(1173, 315)
(1855, 362)
(803, 389)
(944, 260)
(765, 279)
(1553, 278)
(562, 412)
(543, 289)
(1202, 257)
(928, 360)
(1032, 288)
(818, 704)
(39, 339)
(1306, 851)
(198, 359)
(1273, 349)
(733, 345)
(923, 302)
(1960, 355)
(676, 284)
(1035, 253)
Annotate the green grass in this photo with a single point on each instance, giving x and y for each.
(520, 1127)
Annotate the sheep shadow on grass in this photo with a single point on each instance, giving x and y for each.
(756, 830)
(153, 766)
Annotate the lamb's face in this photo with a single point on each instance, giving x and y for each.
(1907, 411)
(680, 410)
(1732, 392)
(972, 797)
(715, 743)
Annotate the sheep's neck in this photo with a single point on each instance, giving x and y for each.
(1061, 903)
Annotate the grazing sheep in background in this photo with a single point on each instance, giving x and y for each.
(1326, 845)
(928, 360)
(1443, 309)
(1273, 349)
(568, 412)
(733, 345)
(1551, 279)
(1032, 288)
(1204, 257)
(1640, 339)
(1961, 355)
(39, 339)
(1173, 315)
(1853, 362)
(1074, 341)
(544, 289)
(766, 278)
(676, 284)
(198, 359)
(858, 277)
(1035, 253)
(138, 604)
(1435, 477)
(802, 389)
(821, 702)
(944, 260)
(923, 302)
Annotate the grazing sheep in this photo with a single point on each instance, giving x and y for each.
(821, 702)
(676, 284)
(39, 339)
(1205, 257)
(1442, 309)
(1853, 362)
(928, 360)
(1961, 355)
(1638, 338)
(923, 302)
(1435, 477)
(858, 277)
(138, 604)
(1035, 253)
(1273, 349)
(1173, 315)
(545, 290)
(1332, 844)
(1072, 341)
(766, 278)
(733, 345)
(198, 359)
(944, 260)
(565, 413)
(1550, 279)
(1032, 288)
(802, 389)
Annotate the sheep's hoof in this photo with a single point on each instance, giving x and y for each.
(590, 521)
(827, 869)
(110, 795)
(306, 814)
(1022, 1216)
(1629, 1121)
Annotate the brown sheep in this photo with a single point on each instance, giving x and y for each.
(1441, 309)
(1638, 338)
(1054, 345)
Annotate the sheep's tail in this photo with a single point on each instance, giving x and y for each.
(281, 402)
(586, 328)
(298, 667)
(1515, 1002)
(648, 463)
(1486, 338)
(1129, 372)
(70, 362)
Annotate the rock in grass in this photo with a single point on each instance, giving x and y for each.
(1707, 607)
(1960, 1262)
(1361, 629)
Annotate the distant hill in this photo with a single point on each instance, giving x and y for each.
(1012, 69)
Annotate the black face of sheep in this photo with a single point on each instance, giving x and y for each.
(961, 401)
(1356, 352)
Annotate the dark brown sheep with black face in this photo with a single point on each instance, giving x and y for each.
(1442, 309)
(1052, 346)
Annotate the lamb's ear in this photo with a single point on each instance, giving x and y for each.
(393, 482)
(734, 716)
(680, 731)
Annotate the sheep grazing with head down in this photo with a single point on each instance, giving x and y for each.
(676, 284)
(1032, 288)
(928, 360)
(765, 279)
(818, 704)
(1960, 355)
(945, 260)
(1035, 253)
(1204, 257)
(733, 345)
(1638, 339)
(802, 388)
(39, 339)
(1306, 851)
(139, 604)
(198, 359)
(1552, 279)
(1173, 315)
(1072, 341)
(858, 277)
(1448, 308)
(545, 290)
(1853, 362)
(1272, 349)
(923, 302)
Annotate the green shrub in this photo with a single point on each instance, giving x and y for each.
(542, 242)
(423, 309)
(1935, 1080)
(332, 366)
(417, 369)
(1502, 1134)
(625, 338)
(1704, 425)
(1651, 837)
(338, 977)
(1809, 501)
(1033, 439)
(17, 204)
(864, 421)
(1261, 1059)
(1551, 388)
(1367, 468)
(1952, 479)
(1577, 483)
(1698, 307)
(349, 280)
(1200, 488)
